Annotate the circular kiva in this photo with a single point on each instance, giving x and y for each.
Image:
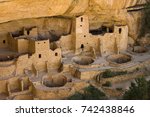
(83, 60)
(139, 49)
(56, 81)
(119, 58)
(7, 57)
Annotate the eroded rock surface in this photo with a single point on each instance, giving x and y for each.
(100, 12)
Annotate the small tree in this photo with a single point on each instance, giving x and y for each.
(140, 90)
(107, 84)
(89, 93)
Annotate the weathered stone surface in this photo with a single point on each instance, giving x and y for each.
(100, 12)
(19, 9)
(117, 4)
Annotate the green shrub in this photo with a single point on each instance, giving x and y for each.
(89, 93)
(137, 69)
(140, 90)
(107, 84)
(109, 73)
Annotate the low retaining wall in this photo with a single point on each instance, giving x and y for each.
(121, 78)
(44, 93)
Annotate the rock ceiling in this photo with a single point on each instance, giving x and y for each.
(100, 12)
(20, 9)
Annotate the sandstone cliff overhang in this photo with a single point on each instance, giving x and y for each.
(21, 9)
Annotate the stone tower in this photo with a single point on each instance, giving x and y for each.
(80, 32)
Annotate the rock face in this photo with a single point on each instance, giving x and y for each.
(19, 9)
(110, 12)
(117, 4)
(100, 12)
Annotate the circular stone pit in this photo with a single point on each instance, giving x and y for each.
(139, 49)
(119, 58)
(4, 58)
(82, 60)
(55, 81)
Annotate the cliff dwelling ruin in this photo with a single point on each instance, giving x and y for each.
(66, 53)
